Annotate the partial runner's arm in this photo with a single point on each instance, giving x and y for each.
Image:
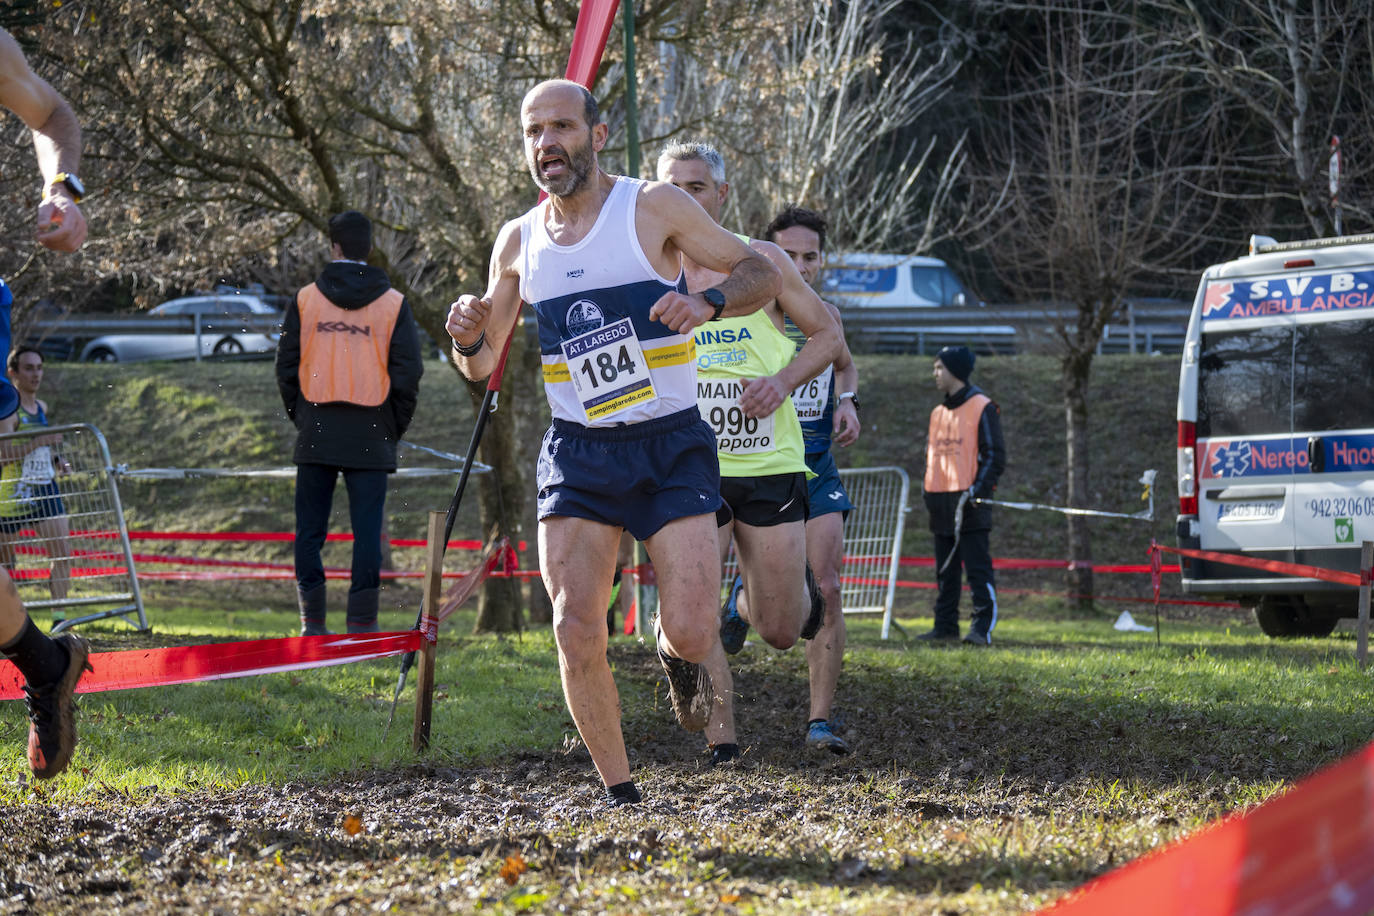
(479, 326)
(678, 225)
(844, 430)
(56, 142)
(799, 302)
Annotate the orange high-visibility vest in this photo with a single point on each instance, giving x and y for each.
(952, 449)
(344, 351)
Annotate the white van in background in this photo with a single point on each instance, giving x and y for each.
(861, 279)
(1276, 427)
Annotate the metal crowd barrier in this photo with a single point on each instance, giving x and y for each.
(63, 537)
(872, 542)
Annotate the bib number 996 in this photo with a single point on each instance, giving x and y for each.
(731, 421)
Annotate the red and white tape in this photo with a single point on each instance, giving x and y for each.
(134, 668)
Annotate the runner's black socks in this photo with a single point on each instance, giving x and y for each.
(623, 793)
(40, 659)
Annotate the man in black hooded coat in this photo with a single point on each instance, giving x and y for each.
(348, 367)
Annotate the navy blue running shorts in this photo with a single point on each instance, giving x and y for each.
(762, 502)
(827, 492)
(639, 477)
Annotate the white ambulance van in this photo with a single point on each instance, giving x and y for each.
(1276, 427)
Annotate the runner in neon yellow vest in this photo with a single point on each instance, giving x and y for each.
(746, 372)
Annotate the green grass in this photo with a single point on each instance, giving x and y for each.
(230, 415)
(984, 781)
(1211, 698)
(492, 696)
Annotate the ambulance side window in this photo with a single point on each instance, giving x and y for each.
(1244, 382)
(1333, 368)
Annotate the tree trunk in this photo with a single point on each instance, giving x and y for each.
(1075, 368)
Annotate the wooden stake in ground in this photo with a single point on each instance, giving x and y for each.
(429, 630)
(1362, 642)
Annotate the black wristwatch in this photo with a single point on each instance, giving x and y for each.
(853, 396)
(715, 297)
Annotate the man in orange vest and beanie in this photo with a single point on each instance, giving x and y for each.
(965, 456)
(348, 367)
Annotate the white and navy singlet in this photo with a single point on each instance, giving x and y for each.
(605, 363)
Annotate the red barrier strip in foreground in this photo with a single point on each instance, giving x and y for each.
(1277, 566)
(216, 661)
(1308, 851)
(257, 536)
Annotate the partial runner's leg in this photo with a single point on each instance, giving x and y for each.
(577, 559)
(51, 668)
(773, 562)
(686, 561)
(55, 533)
(825, 653)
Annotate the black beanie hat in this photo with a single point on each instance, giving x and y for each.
(958, 360)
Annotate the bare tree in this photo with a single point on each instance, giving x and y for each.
(1298, 71)
(816, 105)
(1102, 149)
(230, 132)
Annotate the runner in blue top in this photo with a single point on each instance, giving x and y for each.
(51, 667)
(600, 262)
(828, 406)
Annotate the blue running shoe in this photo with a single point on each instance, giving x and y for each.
(733, 627)
(820, 737)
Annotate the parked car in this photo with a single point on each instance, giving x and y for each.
(865, 280)
(223, 333)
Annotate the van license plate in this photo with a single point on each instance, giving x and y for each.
(1266, 510)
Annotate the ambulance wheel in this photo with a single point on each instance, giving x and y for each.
(1286, 616)
(1317, 625)
(1277, 617)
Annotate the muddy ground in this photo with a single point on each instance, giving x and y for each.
(938, 802)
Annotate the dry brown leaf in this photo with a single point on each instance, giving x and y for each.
(513, 868)
(352, 824)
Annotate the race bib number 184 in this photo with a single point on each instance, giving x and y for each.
(608, 369)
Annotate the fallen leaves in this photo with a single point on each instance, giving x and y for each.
(513, 868)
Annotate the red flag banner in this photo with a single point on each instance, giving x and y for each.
(594, 21)
(1308, 851)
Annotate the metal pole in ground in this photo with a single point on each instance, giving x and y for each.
(1362, 642)
(434, 581)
